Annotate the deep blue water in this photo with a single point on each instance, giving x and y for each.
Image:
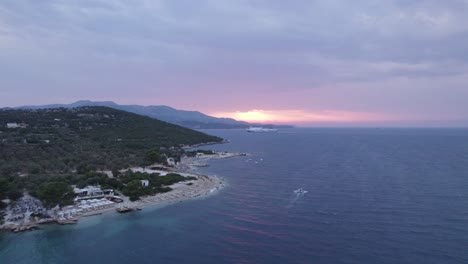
(375, 196)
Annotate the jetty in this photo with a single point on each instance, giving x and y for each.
(69, 221)
(126, 209)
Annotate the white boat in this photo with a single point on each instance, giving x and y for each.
(300, 191)
(261, 129)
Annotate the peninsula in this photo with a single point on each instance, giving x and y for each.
(60, 164)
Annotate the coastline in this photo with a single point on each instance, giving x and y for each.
(225, 141)
(181, 191)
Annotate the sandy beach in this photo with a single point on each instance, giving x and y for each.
(203, 186)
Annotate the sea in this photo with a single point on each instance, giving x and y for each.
(373, 196)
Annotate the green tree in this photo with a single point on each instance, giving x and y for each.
(133, 190)
(114, 183)
(3, 187)
(14, 194)
(155, 156)
(53, 193)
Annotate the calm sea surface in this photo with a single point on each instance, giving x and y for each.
(374, 196)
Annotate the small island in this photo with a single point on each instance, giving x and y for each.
(61, 164)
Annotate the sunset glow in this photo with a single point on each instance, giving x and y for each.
(300, 116)
(252, 116)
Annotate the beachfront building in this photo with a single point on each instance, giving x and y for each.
(92, 192)
(88, 191)
(108, 192)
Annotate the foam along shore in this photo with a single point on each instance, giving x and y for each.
(190, 164)
(205, 144)
(202, 186)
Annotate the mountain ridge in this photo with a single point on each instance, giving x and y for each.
(185, 118)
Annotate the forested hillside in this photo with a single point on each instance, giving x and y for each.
(85, 139)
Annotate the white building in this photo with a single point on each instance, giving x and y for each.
(12, 125)
(88, 191)
(15, 125)
(91, 192)
(145, 183)
(171, 162)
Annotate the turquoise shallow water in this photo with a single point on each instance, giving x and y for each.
(375, 196)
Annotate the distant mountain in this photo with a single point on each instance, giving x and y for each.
(190, 119)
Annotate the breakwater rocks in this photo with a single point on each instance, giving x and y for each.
(19, 229)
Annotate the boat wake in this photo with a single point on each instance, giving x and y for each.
(296, 196)
(300, 191)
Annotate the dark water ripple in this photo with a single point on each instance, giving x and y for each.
(375, 196)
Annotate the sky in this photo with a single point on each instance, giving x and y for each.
(303, 62)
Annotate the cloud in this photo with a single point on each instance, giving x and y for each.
(239, 54)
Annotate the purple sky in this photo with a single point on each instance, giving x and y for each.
(361, 62)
